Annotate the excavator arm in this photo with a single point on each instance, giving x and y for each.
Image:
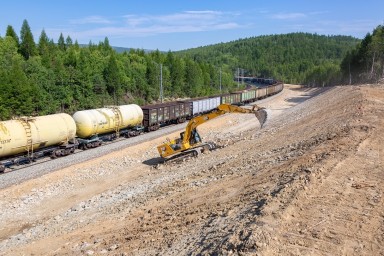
(190, 138)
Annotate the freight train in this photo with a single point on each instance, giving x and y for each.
(25, 139)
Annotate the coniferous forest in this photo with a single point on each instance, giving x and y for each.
(298, 58)
(62, 76)
(44, 76)
(365, 63)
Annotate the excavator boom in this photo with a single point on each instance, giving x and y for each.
(259, 112)
(190, 138)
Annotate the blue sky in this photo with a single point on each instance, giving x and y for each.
(182, 24)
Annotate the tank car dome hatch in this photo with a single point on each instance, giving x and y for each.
(27, 134)
(106, 120)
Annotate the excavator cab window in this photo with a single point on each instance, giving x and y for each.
(195, 138)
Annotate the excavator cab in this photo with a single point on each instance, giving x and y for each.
(177, 142)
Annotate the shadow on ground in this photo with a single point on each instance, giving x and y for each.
(154, 161)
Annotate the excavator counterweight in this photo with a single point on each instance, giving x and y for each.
(190, 141)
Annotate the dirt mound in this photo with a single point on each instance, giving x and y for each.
(309, 183)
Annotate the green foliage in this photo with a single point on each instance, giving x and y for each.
(327, 74)
(291, 58)
(365, 63)
(27, 44)
(11, 33)
(17, 91)
(64, 77)
(61, 42)
(112, 78)
(48, 78)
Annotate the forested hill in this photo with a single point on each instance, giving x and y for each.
(45, 76)
(59, 75)
(292, 58)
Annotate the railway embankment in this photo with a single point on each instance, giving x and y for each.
(309, 183)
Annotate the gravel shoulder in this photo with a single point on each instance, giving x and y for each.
(309, 183)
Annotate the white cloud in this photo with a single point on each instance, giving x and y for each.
(97, 27)
(91, 20)
(357, 28)
(134, 25)
(289, 16)
(201, 19)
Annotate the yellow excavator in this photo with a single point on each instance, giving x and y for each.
(190, 143)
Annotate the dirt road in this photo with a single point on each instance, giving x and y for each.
(309, 183)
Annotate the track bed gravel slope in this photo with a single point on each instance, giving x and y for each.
(309, 183)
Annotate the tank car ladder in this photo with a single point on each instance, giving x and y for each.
(117, 120)
(27, 127)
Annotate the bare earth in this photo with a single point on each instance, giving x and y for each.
(310, 182)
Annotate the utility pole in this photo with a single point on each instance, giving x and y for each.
(161, 96)
(238, 77)
(220, 79)
(161, 83)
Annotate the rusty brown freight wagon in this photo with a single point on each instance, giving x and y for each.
(165, 113)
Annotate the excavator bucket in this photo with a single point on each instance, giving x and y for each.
(261, 115)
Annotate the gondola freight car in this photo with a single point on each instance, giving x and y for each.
(158, 115)
(204, 105)
(231, 98)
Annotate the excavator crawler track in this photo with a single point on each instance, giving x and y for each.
(193, 152)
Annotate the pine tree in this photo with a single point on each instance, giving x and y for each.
(43, 43)
(11, 32)
(68, 41)
(376, 50)
(112, 78)
(61, 42)
(27, 44)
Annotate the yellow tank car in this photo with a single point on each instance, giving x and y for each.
(107, 120)
(27, 134)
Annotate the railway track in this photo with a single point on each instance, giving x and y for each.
(36, 169)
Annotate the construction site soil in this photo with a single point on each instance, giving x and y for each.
(310, 182)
